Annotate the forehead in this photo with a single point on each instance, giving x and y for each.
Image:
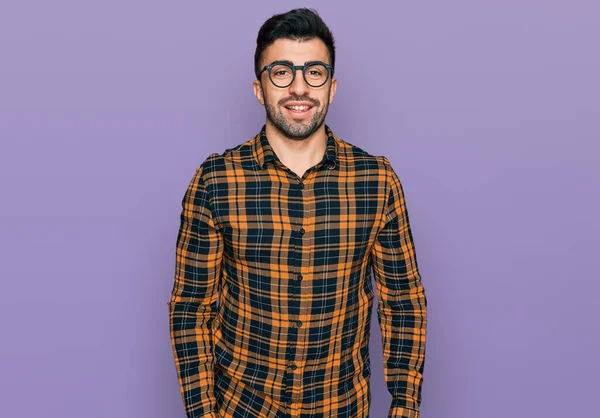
(296, 51)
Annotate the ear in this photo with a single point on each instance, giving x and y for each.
(332, 89)
(258, 92)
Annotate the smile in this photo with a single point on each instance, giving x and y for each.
(298, 110)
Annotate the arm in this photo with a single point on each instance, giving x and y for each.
(193, 303)
(402, 304)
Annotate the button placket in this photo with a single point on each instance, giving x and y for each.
(297, 377)
(294, 380)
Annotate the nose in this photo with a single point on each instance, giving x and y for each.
(299, 86)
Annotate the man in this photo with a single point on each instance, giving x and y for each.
(283, 231)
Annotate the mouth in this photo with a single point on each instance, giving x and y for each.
(298, 110)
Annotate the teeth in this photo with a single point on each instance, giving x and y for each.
(298, 108)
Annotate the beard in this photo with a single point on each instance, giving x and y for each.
(293, 128)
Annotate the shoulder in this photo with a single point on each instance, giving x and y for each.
(355, 157)
(219, 165)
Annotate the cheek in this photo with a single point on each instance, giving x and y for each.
(324, 99)
(272, 97)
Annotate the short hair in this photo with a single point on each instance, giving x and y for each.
(300, 24)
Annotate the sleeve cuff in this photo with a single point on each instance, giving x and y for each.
(209, 414)
(400, 412)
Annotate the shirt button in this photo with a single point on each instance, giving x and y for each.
(302, 231)
(302, 185)
(299, 323)
(300, 277)
(293, 367)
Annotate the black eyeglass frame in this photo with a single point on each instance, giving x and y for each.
(295, 68)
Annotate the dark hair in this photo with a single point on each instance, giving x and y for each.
(300, 24)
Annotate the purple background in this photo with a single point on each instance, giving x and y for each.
(488, 111)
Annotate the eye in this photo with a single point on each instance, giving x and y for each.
(280, 71)
(316, 72)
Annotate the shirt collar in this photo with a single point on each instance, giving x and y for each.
(263, 152)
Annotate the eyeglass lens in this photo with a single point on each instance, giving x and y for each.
(282, 75)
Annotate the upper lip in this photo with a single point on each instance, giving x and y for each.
(299, 104)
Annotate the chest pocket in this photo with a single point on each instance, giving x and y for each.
(348, 213)
(255, 225)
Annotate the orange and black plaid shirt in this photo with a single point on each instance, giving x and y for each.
(270, 312)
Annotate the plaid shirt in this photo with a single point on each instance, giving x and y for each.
(270, 311)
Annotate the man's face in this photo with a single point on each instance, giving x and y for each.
(292, 123)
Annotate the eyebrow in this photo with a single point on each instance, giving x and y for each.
(292, 64)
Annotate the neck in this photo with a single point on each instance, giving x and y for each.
(297, 152)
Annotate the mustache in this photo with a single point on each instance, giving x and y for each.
(314, 102)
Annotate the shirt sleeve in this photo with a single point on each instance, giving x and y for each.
(193, 304)
(402, 304)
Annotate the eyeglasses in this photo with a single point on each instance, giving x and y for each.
(283, 73)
